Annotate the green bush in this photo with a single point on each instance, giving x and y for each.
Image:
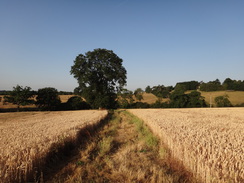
(48, 98)
(222, 101)
(76, 103)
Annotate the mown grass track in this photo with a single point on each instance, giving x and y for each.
(124, 150)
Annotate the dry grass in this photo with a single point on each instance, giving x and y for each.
(28, 137)
(235, 97)
(65, 98)
(209, 142)
(149, 98)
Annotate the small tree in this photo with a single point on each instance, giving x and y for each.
(148, 89)
(138, 94)
(48, 98)
(223, 101)
(20, 96)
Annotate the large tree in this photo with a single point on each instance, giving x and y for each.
(100, 76)
(20, 96)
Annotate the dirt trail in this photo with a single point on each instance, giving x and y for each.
(120, 153)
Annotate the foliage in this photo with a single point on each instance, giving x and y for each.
(140, 105)
(180, 88)
(100, 76)
(5, 92)
(196, 100)
(138, 94)
(178, 99)
(159, 104)
(236, 85)
(211, 86)
(228, 84)
(222, 101)
(76, 103)
(125, 98)
(148, 89)
(65, 93)
(189, 85)
(161, 91)
(20, 96)
(48, 98)
(240, 105)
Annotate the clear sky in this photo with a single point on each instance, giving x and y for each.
(160, 41)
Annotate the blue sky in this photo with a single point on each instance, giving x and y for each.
(160, 41)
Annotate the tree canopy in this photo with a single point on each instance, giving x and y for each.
(161, 91)
(48, 98)
(178, 99)
(230, 84)
(125, 98)
(223, 101)
(20, 96)
(138, 94)
(189, 85)
(100, 76)
(211, 86)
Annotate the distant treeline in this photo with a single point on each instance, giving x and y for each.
(4, 92)
(216, 85)
(65, 93)
(177, 98)
(228, 84)
(7, 92)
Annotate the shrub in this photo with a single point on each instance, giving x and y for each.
(222, 101)
(140, 105)
(48, 98)
(76, 103)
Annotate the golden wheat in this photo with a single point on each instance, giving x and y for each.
(26, 141)
(209, 142)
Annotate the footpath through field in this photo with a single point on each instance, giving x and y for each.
(124, 150)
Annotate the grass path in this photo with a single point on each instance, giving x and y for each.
(124, 150)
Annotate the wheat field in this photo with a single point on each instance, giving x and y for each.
(27, 137)
(209, 142)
